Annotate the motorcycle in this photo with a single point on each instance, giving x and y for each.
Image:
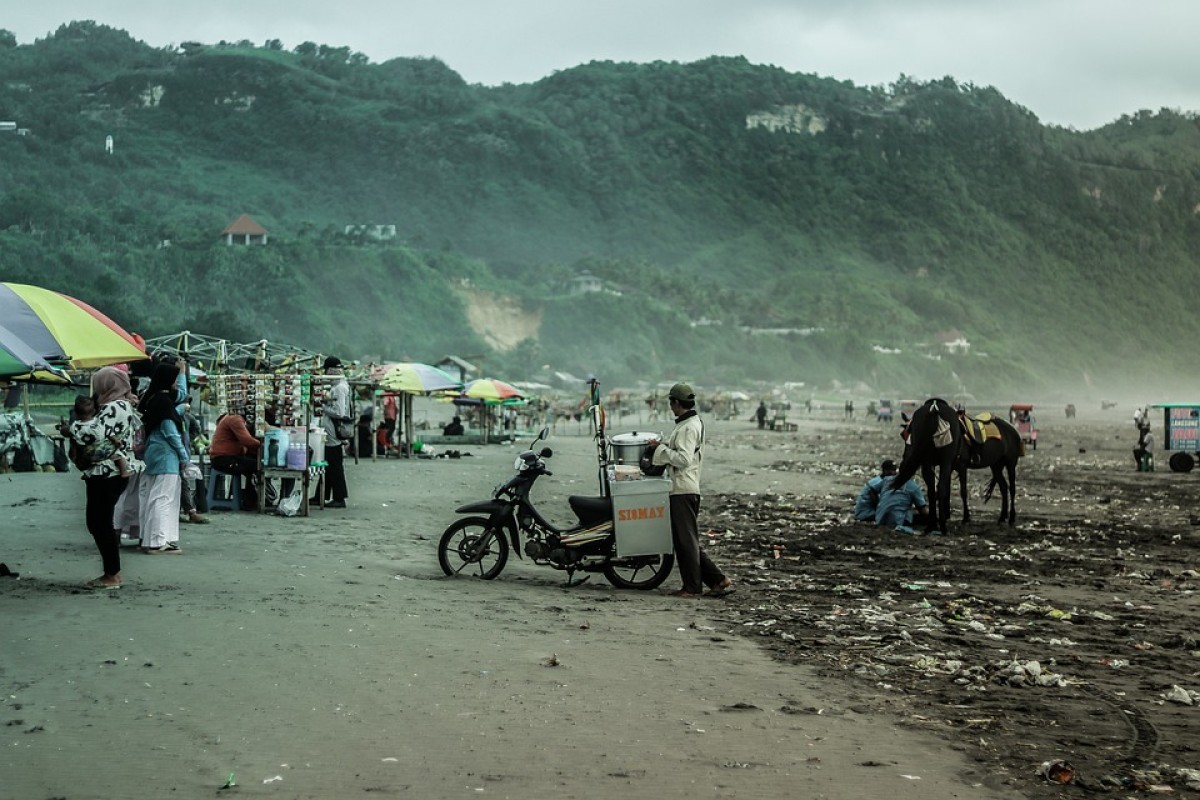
(479, 545)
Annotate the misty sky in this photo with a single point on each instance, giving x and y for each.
(1078, 63)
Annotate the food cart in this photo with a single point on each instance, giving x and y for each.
(907, 407)
(884, 412)
(1181, 423)
(1021, 417)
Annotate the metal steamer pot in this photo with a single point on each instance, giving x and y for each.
(626, 448)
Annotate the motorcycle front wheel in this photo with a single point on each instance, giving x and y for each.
(471, 546)
(643, 572)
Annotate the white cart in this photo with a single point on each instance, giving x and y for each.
(642, 517)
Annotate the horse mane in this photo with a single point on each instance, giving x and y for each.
(921, 427)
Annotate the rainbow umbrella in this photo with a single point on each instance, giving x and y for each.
(491, 390)
(17, 360)
(415, 378)
(61, 329)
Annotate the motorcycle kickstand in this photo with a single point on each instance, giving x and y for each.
(572, 582)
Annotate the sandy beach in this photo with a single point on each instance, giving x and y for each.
(327, 656)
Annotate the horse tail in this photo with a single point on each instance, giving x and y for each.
(991, 487)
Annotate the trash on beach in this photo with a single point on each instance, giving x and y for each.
(1057, 772)
(1182, 696)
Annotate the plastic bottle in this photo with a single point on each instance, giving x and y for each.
(296, 455)
(273, 454)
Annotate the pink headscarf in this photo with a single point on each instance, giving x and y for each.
(109, 384)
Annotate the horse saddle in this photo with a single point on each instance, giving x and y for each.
(981, 428)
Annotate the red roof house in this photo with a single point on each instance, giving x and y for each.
(244, 230)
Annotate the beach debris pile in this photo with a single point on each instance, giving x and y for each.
(1061, 636)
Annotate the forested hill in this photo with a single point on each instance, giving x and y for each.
(867, 220)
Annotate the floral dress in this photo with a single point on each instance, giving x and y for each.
(109, 435)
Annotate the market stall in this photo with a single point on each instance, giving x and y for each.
(278, 408)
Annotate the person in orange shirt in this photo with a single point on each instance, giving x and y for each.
(234, 450)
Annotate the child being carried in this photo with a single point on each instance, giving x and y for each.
(87, 450)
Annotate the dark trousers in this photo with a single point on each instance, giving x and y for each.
(696, 569)
(241, 465)
(335, 474)
(102, 496)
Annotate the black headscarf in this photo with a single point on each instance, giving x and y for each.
(158, 403)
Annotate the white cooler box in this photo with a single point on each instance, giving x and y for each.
(642, 517)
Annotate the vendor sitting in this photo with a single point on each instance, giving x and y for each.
(234, 449)
(455, 428)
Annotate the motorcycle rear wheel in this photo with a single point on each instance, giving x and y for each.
(471, 546)
(645, 574)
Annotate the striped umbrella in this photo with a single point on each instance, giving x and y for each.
(491, 390)
(16, 357)
(415, 378)
(61, 329)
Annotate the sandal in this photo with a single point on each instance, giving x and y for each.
(169, 549)
(723, 588)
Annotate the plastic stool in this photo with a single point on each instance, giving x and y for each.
(218, 501)
(1147, 463)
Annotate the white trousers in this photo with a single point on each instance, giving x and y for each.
(126, 516)
(159, 495)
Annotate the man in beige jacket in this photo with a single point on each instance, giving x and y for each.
(681, 452)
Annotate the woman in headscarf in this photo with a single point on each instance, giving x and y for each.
(115, 421)
(165, 454)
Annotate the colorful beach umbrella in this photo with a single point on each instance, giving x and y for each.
(416, 378)
(16, 357)
(61, 329)
(491, 390)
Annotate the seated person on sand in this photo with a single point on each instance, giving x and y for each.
(86, 448)
(895, 509)
(455, 428)
(867, 502)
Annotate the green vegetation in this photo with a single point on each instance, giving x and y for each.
(876, 217)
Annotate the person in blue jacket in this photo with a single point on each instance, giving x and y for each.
(896, 504)
(868, 498)
(165, 455)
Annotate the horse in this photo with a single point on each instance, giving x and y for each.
(999, 455)
(933, 440)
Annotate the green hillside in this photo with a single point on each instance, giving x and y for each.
(867, 220)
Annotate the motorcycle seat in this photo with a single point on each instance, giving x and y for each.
(591, 510)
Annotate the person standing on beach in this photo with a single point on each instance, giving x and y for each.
(165, 455)
(115, 422)
(337, 407)
(681, 452)
(761, 414)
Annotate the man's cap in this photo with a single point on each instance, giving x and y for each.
(681, 391)
(887, 466)
(333, 362)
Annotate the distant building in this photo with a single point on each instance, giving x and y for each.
(244, 230)
(586, 283)
(465, 369)
(952, 341)
(378, 233)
